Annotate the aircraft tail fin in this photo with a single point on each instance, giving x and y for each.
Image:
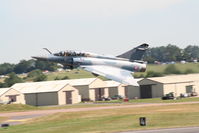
(136, 53)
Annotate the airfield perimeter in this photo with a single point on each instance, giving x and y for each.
(104, 118)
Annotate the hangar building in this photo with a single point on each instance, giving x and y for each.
(133, 92)
(7, 95)
(115, 88)
(89, 88)
(47, 93)
(159, 86)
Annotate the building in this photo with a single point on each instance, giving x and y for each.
(51, 92)
(178, 84)
(47, 93)
(115, 88)
(9, 95)
(133, 92)
(90, 89)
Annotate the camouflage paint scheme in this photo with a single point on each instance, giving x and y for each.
(118, 68)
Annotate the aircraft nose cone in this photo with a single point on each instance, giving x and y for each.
(43, 58)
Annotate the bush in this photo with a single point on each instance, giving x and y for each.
(66, 77)
(172, 69)
(40, 78)
(12, 79)
(34, 73)
(153, 74)
(37, 75)
(57, 78)
(188, 71)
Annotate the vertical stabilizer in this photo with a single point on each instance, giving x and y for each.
(136, 53)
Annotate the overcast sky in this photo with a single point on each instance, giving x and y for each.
(100, 26)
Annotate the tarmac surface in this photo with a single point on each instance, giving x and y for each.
(169, 130)
(15, 118)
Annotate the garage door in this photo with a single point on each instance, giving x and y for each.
(99, 93)
(68, 97)
(146, 91)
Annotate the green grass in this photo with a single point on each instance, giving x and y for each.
(16, 107)
(73, 74)
(21, 107)
(79, 73)
(159, 100)
(76, 74)
(153, 100)
(112, 120)
(181, 67)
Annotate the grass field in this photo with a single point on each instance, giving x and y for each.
(79, 73)
(21, 107)
(181, 67)
(73, 74)
(154, 100)
(194, 67)
(76, 74)
(112, 120)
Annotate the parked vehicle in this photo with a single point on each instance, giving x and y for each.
(105, 99)
(168, 96)
(117, 97)
(194, 94)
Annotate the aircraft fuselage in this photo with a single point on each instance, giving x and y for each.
(75, 62)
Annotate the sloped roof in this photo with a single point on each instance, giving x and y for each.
(111, 83)
(176, 78)
(49, 86)
(80, 82)
(3, 90)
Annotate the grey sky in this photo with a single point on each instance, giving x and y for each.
(99, 26)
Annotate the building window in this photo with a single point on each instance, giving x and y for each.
(12, 98)
(189, 89)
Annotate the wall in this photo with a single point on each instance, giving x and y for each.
(76, 98)
(157, 90)
(83, 91)
(121, 90)
(19, 97)
(42, 99)
(112, 91)
(133, 91)
(47, 98)
(30, 99)
(177, 88)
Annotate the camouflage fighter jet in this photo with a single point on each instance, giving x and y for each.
(118, 68)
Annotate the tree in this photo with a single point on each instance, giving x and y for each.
(191, 52)
(44, 65)
(6, 68)
(34, 73)
(12, 79)
(37, 75)
(41, 77)
(164, 54)
(2, 85)
(24, 66)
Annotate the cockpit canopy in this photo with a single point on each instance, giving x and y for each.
(71, 53)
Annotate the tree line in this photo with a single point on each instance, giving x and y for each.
(162, 54)
(25, 66)
(172, 53)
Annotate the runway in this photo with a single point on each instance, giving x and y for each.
(169, 130)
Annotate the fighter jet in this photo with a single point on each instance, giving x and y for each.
(119, 68)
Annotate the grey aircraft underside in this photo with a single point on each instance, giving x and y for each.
(118, 68)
